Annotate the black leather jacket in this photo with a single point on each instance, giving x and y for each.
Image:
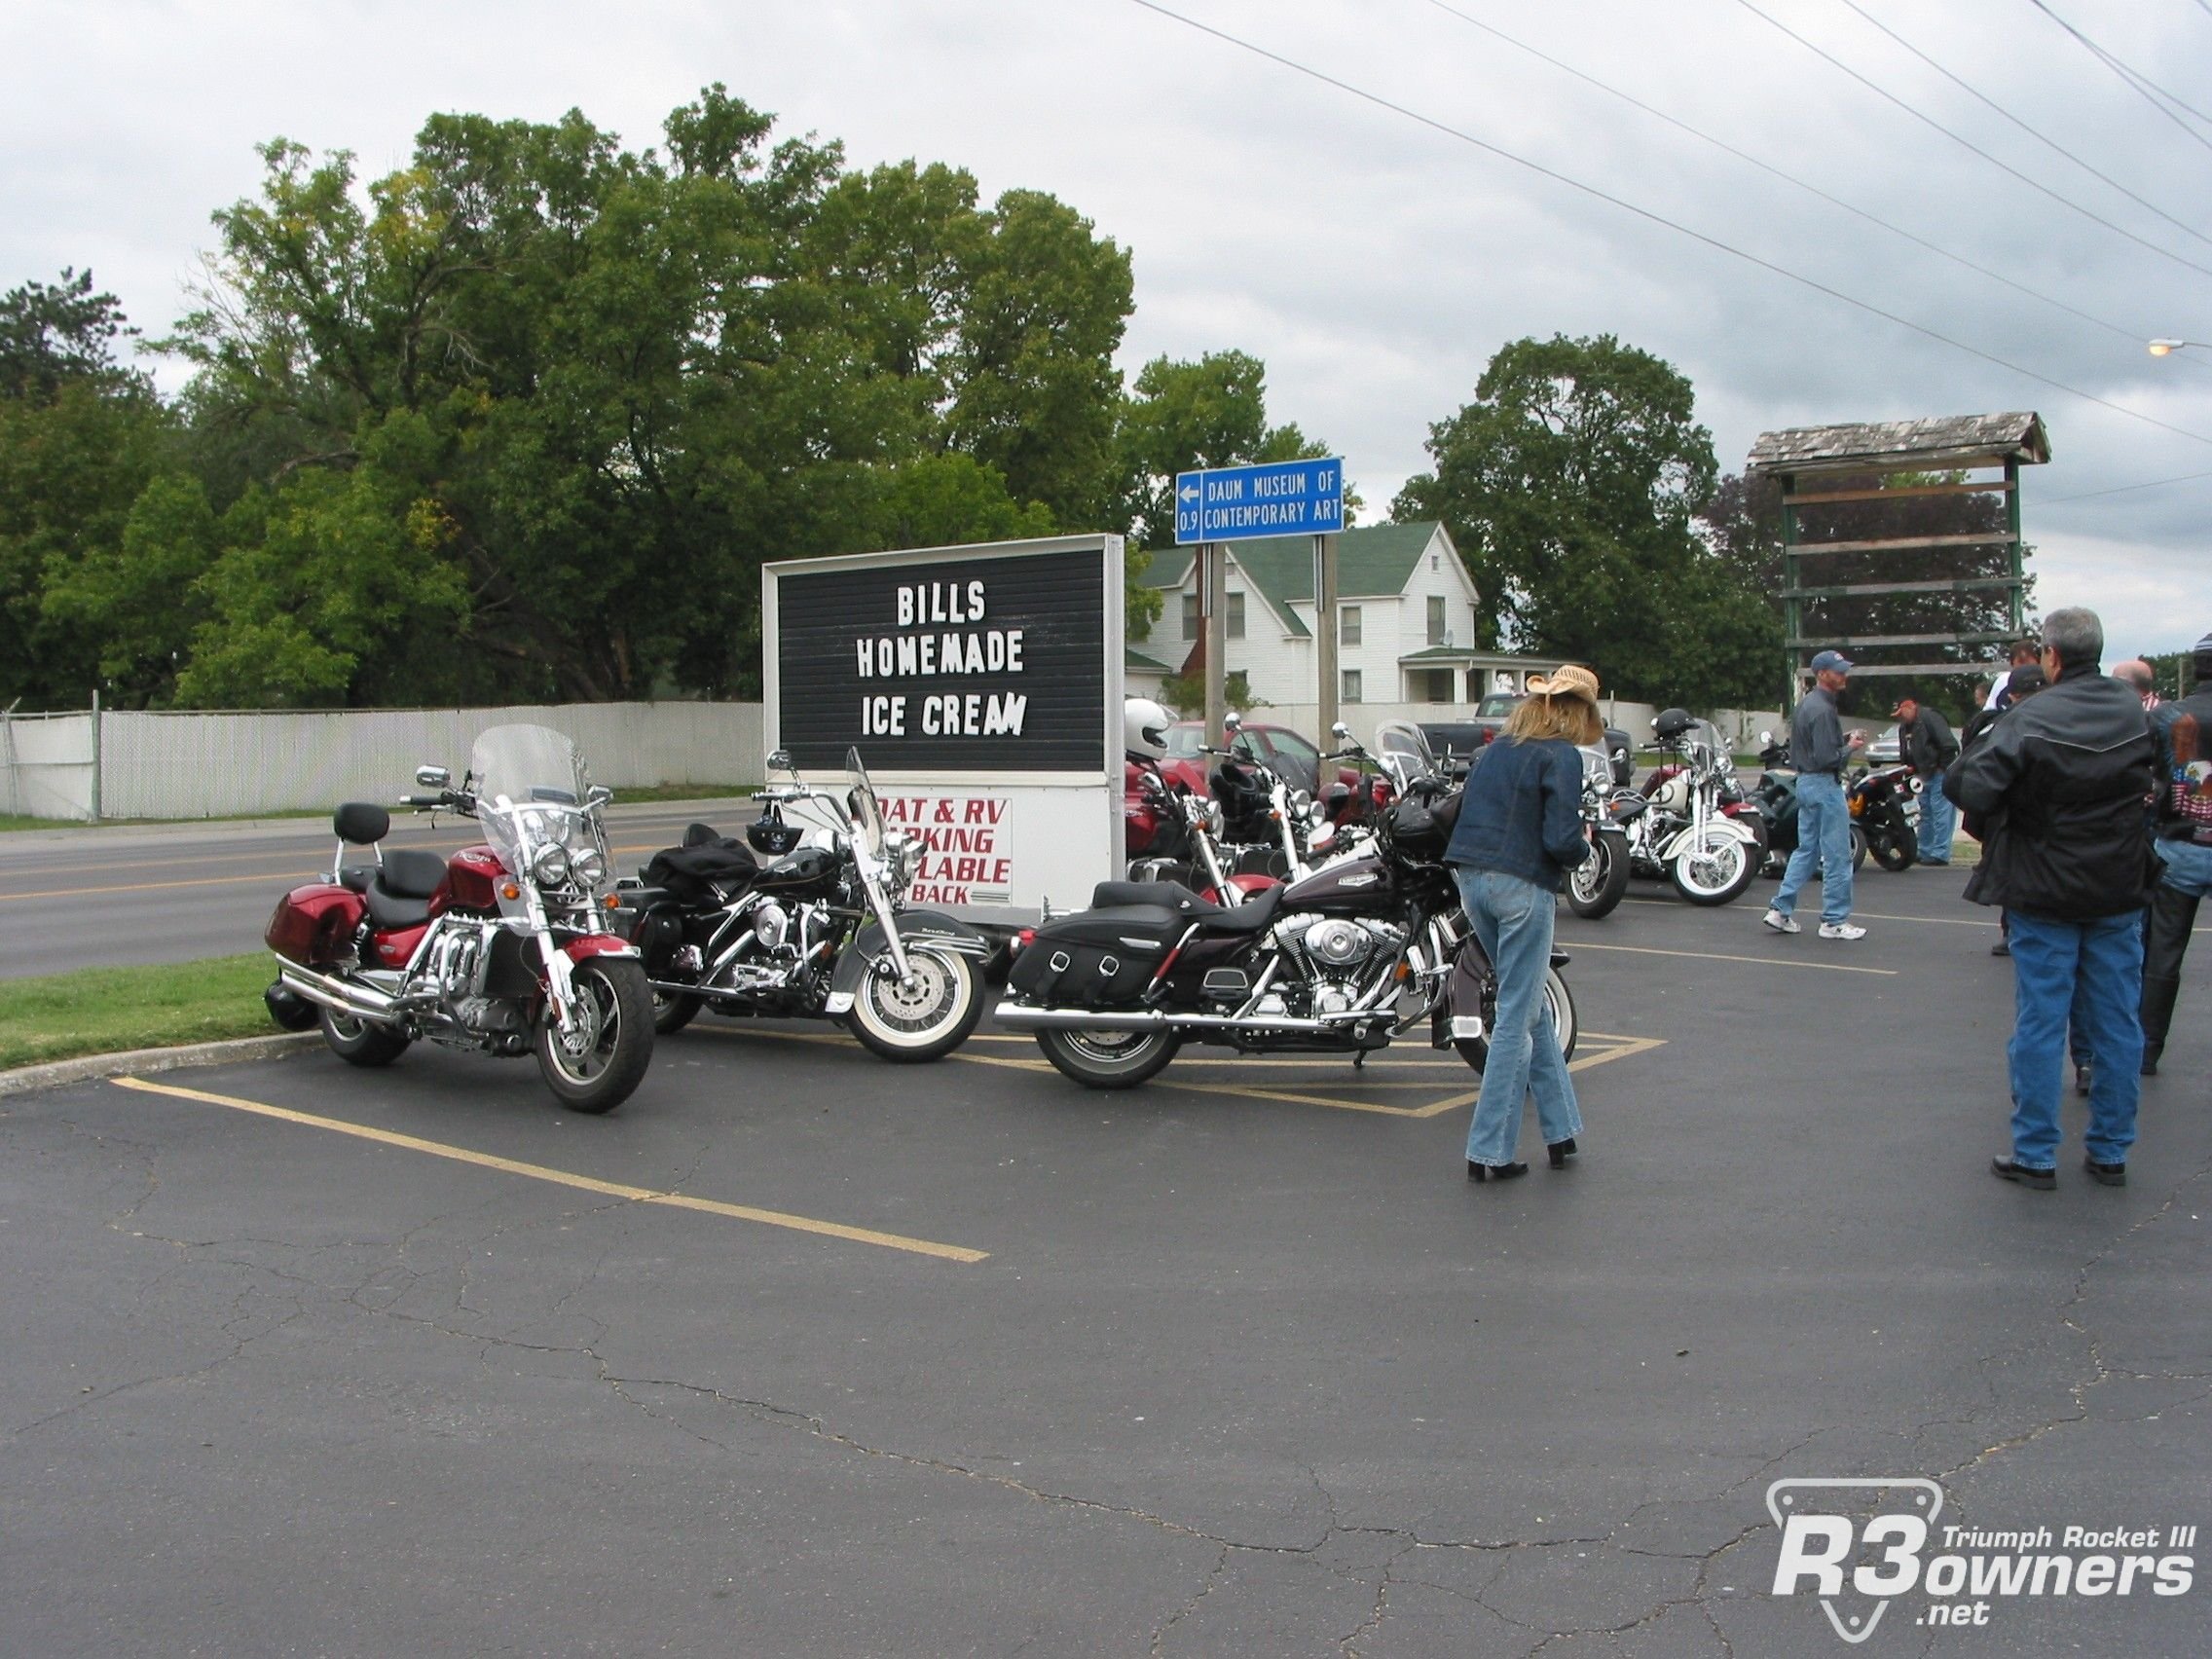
(2059, 784)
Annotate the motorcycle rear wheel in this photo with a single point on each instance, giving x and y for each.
(1595, 886)
(1475, 1050)
(362, 1043)
(1858, 848)
(1716, 873)
(1894, 849)
(617, 1039)
(672, 1011)
(925, 1019)
(1109, 1060)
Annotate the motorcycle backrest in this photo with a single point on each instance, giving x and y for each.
(362, 823)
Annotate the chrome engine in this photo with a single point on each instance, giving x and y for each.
(1332, 956)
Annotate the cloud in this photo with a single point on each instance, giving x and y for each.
(1372, 262)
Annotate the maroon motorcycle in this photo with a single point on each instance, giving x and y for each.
(504, 948)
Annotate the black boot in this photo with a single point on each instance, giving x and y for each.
(2157, 1014)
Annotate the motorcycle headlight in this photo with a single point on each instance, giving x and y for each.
(1317, 812)
(589, 867)
(550, 867)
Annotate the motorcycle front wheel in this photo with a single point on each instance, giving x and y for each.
(1475, 1050)
(927, 1015)
(600, 1067)
(1594, 887)
(1858, 848)
(1715, 869)
(1109, 1060)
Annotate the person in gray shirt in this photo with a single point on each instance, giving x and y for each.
(1819, 748)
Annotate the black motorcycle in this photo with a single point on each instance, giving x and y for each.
(1775, 797)
(804, 920)
(1342, 960)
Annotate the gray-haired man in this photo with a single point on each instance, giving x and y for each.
(1819, 748)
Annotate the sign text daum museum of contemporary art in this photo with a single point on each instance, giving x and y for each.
(1287, 497)
(955, 664)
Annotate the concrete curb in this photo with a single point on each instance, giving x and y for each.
(25, 1078)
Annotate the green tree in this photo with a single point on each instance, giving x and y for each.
(80, 434)
(1571, 485)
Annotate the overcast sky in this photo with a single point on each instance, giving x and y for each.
(1372, 262)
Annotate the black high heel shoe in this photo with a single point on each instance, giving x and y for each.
(1494, 1171)
(1559, 1152)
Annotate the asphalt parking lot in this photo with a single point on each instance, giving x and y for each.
(802, 1352)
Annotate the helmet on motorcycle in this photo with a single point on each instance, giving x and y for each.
(1144, 727)
(1672, 724)
(770, 836)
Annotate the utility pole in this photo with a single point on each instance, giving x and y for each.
(1325, 639)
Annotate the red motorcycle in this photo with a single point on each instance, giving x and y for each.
(504, 948)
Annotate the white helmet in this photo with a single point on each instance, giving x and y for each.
(1144, 727)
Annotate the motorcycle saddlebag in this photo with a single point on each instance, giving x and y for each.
(1095, 958)
(315, 924)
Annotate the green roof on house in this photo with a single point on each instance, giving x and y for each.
(1372, 563)
(1133, 658)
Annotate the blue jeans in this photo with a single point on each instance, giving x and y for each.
(1513, 919)
(1938, 819)
(2093, 973)
(1824, 839)
(2186, 868)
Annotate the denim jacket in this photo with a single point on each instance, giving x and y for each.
(1522, 814)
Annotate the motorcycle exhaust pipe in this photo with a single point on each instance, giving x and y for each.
(360, 1001)
(1023, 1018)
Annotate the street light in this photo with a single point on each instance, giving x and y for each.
(2167, 348)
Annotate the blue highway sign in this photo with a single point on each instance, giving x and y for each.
(1283, 497)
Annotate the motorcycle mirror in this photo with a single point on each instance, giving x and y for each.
(781, 762)
(598, 796)
(1341, 732)
(1233, 722)
(433, 777)
(1766, 737)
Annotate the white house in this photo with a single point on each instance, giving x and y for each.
(1406, 613)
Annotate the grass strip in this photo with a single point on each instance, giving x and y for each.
(101, 1011)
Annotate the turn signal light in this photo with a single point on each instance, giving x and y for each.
(511, 891)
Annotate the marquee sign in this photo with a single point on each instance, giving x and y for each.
(982, 686)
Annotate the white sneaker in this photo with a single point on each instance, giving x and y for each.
(1841, 930)
(1780, 923)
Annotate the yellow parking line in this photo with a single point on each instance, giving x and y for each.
(566, 1178)
(1574, 945)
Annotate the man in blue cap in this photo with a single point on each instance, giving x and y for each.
(1819, 747)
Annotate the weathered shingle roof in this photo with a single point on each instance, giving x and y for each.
(1944, 441)
(1375, 562)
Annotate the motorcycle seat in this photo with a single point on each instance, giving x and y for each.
(399, 893)
(1248, 917)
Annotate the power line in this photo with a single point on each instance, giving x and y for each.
(2039, 138)
(2134, 337)
(1660, 219)
(2004, 166)
(2123, 488)
(2141, 84)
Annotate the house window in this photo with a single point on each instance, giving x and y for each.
(1347, 625)
(1436, 619)
(1438, 687)
(1192, 626)
(1350, 691)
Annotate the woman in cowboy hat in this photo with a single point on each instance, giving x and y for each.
(1520, 831)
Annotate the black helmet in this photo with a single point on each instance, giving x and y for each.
(1672, 724)
(770, 836)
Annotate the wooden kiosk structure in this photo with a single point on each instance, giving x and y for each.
(1832, 466)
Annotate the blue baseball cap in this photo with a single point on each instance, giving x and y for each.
(1832, 659)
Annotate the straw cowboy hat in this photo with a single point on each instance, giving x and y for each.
(1572, 680)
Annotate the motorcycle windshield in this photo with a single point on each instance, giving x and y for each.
(868, 813)
(531, 786)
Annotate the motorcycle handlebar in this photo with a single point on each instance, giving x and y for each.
(425, 801)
